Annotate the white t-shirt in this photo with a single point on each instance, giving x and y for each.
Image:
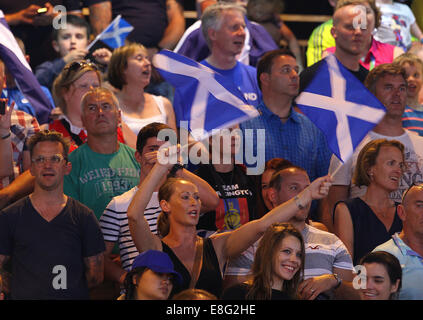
(413, 144)
(114, 224)
(396, 21)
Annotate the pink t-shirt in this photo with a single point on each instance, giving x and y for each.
(379, 53)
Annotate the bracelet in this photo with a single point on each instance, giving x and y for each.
(297, 202)
(6, 136)
(338, 279)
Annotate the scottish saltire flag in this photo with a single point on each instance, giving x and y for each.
(115, 33)
(17, 65)
(205, 99)
(341, 106)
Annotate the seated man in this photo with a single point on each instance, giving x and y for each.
(328, 267)
(407, 245)
(289, 134)
(102, 168)
(223, 26)
(258, 41)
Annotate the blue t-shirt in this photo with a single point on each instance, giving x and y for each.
(245, 79)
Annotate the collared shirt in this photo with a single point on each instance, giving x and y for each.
(22, 128)
(412, 267)
(297, 140)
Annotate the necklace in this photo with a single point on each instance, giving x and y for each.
(219, 182)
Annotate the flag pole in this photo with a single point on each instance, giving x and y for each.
(100, 34)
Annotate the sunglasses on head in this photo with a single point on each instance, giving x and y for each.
(77, 65)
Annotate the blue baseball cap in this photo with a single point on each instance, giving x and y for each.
(158, 261)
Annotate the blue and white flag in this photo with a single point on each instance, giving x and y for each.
(204, 98)
(115, 33)
(15, 62)
(341, 106)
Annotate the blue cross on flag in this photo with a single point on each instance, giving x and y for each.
(115, 33)
(341, 106)
(25, 80)
(204, 98)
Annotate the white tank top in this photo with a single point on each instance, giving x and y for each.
(136, 124)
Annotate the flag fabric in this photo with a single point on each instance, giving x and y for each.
(115, 33)
(16, 64)
(341, 106)
(205, 99)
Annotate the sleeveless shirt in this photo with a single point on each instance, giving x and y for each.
(210, 278)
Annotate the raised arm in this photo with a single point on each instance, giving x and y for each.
(232, 244)
(209, 197)
(6, 152)
(143, 238)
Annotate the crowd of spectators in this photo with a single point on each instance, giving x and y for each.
(88, 209)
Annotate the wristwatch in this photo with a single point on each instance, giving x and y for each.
(297, 202)
(338, 279)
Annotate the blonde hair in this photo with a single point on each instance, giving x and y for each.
(409, 58)
(98, 91)
(165, 192)
(70, 73)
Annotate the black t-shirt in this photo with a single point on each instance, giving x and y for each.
(148, 17)
(48, 257)
(237, 193)
(240, 290)
(308, 74)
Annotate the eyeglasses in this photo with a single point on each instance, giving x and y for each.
(76, 65)
(55, 159)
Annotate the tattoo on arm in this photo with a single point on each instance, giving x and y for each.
(94, 269)
(5, 276)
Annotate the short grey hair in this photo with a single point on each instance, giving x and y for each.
(98, 91)
(212, 17)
